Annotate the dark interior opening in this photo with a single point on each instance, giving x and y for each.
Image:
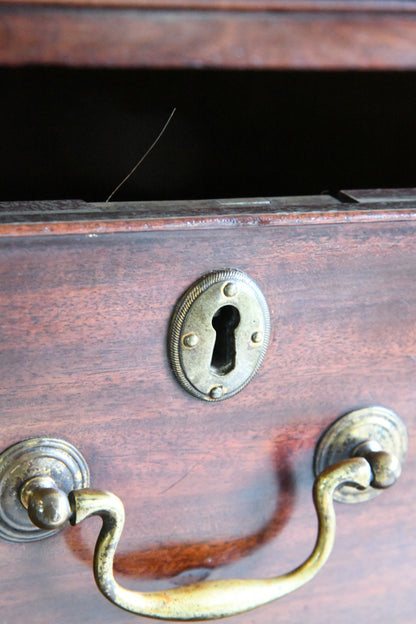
(76, 133)
(225, 321)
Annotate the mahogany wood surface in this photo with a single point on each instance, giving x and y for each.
(238, 5)
(51, 218)
(112, 36)
(224, 489)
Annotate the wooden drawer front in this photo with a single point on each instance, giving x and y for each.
(240, 34)
(211, 490)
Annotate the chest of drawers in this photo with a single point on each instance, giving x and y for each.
(211, 489)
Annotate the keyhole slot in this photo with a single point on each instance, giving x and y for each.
(225, 321)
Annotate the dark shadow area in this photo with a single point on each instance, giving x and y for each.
(185, 563)
(225, 321)
(70, 133)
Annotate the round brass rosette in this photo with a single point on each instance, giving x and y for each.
(54, 459)
(378, 425)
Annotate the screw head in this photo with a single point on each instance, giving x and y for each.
(191, 340)
(257, 337)
(216, 392)
(230, 289)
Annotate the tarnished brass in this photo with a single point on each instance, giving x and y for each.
(212, 599)
(385, 466)
(49, 507)
(375, 433)
(31, 466)
(219, 334)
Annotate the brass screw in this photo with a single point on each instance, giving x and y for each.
(216, 392)
(257, 337)
(190, 340)
(230, 289)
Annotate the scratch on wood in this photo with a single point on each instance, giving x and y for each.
(180, 479)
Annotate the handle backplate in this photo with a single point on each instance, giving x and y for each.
(48, 458)
(376, 424)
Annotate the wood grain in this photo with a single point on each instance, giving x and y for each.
(111, 37)
(237, 5)
(211, 490)
(54, 218)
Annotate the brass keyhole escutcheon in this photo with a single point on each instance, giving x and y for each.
(219, 334)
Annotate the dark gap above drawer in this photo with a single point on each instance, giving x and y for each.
(76, 133)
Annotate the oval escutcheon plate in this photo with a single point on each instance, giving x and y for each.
(219, 334)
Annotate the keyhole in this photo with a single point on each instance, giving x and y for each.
(224, 321)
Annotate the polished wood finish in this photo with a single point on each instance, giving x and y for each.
(224, 489)
(309, 36)
(53, 218)
(378, 6)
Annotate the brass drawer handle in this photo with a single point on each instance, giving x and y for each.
(49, 508)
(211, 599)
